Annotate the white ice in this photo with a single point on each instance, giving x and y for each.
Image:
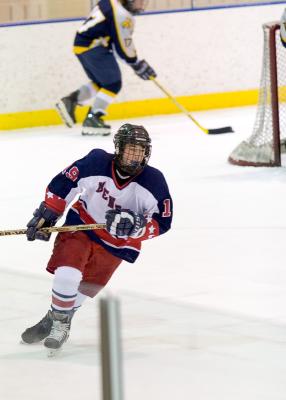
(203, 308)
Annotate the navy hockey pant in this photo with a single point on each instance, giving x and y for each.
(102, 68)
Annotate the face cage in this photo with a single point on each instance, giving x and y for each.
(131, 170)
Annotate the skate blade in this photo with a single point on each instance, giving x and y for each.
(25, 343)
(64, 114)
(53, 352)
(30, 344)
(95, 132)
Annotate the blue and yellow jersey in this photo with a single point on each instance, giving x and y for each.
(110, 25)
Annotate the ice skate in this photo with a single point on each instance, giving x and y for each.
(66, 108)
(61, 323)
(94, 125)
(39, 331)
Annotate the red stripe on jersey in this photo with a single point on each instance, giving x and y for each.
(55, 202)
(103, 234)
(61, 303)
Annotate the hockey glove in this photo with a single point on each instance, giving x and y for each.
(124, 223)
(43, 217)
(283, 28)
(144, 70)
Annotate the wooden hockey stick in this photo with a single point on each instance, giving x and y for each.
(67, 228)
(226, 129)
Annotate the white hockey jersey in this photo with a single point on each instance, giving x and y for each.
(94, 180)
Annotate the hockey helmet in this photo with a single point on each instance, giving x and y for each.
(135, 6)
(134, 135)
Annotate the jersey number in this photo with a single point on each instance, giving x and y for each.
(167, 208)
(72, 174)
(95, 18)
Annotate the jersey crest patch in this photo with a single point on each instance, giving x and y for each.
(127, 24)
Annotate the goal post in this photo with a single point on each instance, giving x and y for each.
(268, 138)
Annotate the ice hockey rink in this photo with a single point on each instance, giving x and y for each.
(203, 309)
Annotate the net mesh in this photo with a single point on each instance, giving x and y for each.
(259, 148)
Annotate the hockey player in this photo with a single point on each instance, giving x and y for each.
(118, 189)
(283, 28)
(106, 33)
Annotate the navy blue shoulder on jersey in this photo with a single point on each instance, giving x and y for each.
(153, 180)
(96, 162)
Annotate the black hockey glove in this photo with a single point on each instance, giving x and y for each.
(43, 217)
(124, 223)
(144, 70)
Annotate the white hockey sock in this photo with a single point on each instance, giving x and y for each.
(65, 288)
(80, 298)
(86, 93)
(102, 100)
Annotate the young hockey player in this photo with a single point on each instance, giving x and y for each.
(120, 190)
(105, 34)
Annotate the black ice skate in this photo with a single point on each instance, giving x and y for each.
(61, 323)
(66, 108)
(94, 125)
(39, 331)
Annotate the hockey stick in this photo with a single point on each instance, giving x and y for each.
(67, 228)
(226, 129)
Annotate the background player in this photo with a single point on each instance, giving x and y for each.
(118, 189)
(283, 28)
(105, 33)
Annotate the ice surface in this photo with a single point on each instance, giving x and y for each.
(203, 308)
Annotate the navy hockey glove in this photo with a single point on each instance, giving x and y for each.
(43, 217)
(124, 223)
(144, 70)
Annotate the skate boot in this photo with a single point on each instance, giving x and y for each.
(39, 331)
(59, 332)
(94, 125)
(66, 108)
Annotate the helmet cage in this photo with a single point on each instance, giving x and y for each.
(136, 135)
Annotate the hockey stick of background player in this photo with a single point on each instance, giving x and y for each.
(226, 129)
(67, 228)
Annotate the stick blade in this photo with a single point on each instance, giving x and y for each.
(226, 129)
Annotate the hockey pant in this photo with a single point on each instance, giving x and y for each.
(95, 263)
(102, 69)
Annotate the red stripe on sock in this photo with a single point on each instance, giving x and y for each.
(61, 303)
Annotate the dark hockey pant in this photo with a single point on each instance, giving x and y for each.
(102, 68)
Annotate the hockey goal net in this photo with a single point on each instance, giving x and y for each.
(268, 139)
